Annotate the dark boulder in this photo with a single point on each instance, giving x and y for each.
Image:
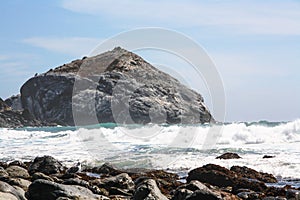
(120, 86)
(46, 164)
(222, 177)
(228, 156)
(47, 190)
(247, 172)
(107, 169)
(213, 174)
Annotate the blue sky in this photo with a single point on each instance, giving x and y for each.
(255, 44)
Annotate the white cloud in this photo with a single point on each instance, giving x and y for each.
(75, 46)
(258, 17)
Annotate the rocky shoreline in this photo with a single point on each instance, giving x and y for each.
(45, 178)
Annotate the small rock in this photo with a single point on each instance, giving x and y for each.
(267, 156)
(17, 163)
(229, 156)
(147, 190)
(46, 164)
(106, 168)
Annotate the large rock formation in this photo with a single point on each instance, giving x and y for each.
(116, 86)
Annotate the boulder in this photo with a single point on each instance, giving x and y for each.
(222, 177)
(119, 85)
(247, 172)
(148, 190)
(229, 156)
(47, 190)
(17, 172)
(7, 190)
(213, 174)
(46, 164)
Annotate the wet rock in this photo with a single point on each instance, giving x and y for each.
(247, 172)
(148, 190)
(46, 164)
(229, 156)
(17, 172)
(43, 189)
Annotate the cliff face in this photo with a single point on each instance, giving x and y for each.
(117, 86)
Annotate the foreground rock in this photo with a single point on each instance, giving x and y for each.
(119, 85)
(43, 189)
(19, 181)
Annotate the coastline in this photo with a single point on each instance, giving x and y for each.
(47, 178)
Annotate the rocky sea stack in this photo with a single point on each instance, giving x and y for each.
(117, 86)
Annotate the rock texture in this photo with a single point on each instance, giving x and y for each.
(209, 182)
(119, 86)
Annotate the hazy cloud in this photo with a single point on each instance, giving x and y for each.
(75, 46)
(247, 17)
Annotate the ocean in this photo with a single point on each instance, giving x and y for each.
(177, 148)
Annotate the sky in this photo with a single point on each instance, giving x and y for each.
(255, 44)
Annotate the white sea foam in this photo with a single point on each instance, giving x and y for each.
(175, 147)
